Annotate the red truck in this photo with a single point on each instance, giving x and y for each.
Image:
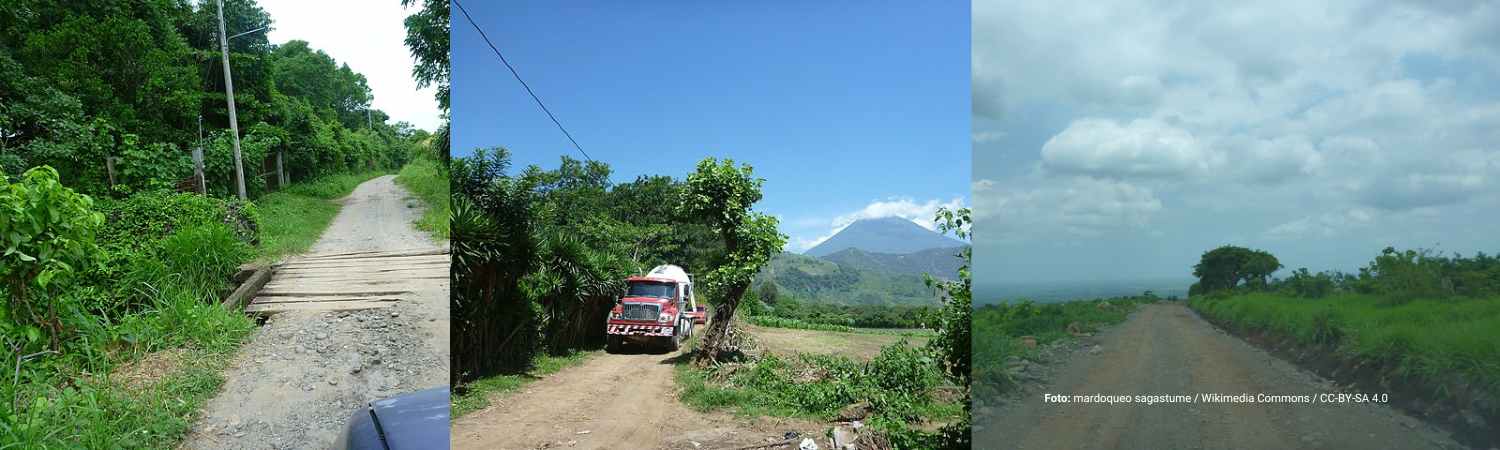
(657, 308)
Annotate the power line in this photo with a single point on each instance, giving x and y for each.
(523, 82)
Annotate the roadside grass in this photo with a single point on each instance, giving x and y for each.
(477, 394)
(292, 220)
(903, 386)
(998, 329)
(1423, 340)
(82, 398)
(426, 179)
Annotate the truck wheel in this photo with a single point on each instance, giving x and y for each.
(674, 342)
(612, 344)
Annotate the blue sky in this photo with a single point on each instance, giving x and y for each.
(848, 110)
(1122, 140)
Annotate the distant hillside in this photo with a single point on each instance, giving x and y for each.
(940, 262)
(821, 281)
(1062, 291)
(892, 235)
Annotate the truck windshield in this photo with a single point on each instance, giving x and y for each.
(648, 289)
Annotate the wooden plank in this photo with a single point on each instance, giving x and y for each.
(278, 300)
(339, 282)
(372, 265)
(332, 294)
(356, 261)
(248, 289)
(365, 273)
(319, 306)
(339, 278)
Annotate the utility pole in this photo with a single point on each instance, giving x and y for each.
(234, 125)
(368, 121)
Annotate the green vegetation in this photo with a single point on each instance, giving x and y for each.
(295, 218)
(909, 389)
(1415, 318)
(478, 393)
(540, 255)
(428, 179)
(782, 322)
(112, 282)
(135, 336)
(903, 386)
(1000, 329)
(817, 280)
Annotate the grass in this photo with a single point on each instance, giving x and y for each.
(1421, 341)
(292, 220)
(83, 398)
(998, 329)
(425, 178)
(782, 322)
(477, 394)
(903, 386)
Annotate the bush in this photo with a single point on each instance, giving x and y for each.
(47, 231)
(141, 221)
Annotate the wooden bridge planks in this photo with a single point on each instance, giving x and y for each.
(347, 281)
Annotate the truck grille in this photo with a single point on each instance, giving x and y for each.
(640, 311)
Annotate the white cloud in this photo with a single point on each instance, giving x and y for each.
(1322, 225)
(920, 213)
(1075, 206)
(1143, 147)
(370, 37)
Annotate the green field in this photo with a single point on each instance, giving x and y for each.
(1420, 342)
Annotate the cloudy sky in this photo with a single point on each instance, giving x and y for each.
(369, 36)
(845, 117)
(1121, 140)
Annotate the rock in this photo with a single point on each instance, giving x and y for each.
(857, 411)
(807, 444)
(1095, 350)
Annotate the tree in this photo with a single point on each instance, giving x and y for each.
(1228, 266)
(427, 37)
(720, 194)
(954, 341)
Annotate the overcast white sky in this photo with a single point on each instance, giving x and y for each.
(369, 36)
(1121, 140)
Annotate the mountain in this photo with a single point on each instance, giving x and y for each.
(818, 280)
(892, 235)
(940, 262)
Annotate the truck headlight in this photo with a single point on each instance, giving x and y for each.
(665, 318)
(614, 315)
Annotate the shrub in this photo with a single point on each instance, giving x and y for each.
(47, 232)
(141, 221)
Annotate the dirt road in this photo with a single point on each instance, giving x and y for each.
(304, 372)
(610, 401)
(1168, 349)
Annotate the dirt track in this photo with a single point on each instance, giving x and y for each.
(1168, 349)
(610, 401)
(304, 373)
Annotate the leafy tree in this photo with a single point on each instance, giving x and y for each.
(954, 341)
(721, 195)
(1228, 266)
(427, 37)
